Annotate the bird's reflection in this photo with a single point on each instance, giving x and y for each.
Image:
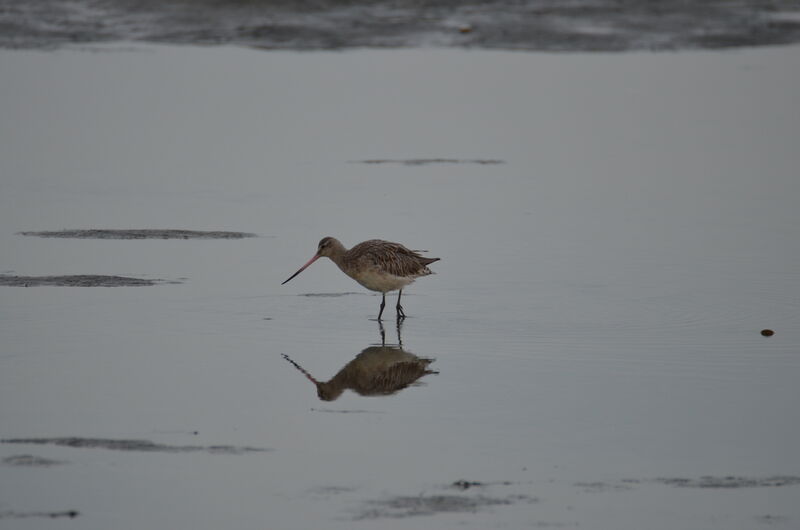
(379, 370)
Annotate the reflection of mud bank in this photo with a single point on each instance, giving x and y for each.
(135, 445)
(139, 234)
(79, 280)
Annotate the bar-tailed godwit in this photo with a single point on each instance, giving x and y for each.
(378, 265)
(376, 371)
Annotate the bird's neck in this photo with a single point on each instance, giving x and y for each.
(338, 254)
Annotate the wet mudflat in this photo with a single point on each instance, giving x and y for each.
(589, 353)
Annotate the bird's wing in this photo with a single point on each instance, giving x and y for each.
(391, 258)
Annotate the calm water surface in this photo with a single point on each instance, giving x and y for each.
(594, 321)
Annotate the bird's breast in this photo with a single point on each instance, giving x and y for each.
(380, 281)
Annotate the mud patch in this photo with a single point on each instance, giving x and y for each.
(430, 161)
(706, 482)
(467, 484)
(731, 482)
(30, 461)
(598, 487)
(408, 506)
(71, 514)
(80, 280)
(139, 234)
(135, 445)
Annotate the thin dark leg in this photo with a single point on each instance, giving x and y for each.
(400, 314)
(383, 303)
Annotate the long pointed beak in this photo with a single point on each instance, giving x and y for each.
(302, 370)
(304, 267)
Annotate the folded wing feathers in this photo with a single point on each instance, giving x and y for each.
(393, 258)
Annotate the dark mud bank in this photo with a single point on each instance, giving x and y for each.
(148, 233)
(552, 25)
(134, 445)
(79, 280)
(10, 514)
(413, 506)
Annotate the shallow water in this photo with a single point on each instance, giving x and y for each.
(594, 321)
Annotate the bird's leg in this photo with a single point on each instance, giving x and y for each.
(383, 303)
(400, 314)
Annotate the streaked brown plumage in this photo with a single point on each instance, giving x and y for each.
(376, 371)
(378, 265)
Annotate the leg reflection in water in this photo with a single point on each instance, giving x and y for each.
(399, 324)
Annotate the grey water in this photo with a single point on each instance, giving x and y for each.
(591, 337)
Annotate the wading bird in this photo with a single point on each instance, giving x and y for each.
(378, 265)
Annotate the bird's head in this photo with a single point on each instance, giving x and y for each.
(326, 246)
